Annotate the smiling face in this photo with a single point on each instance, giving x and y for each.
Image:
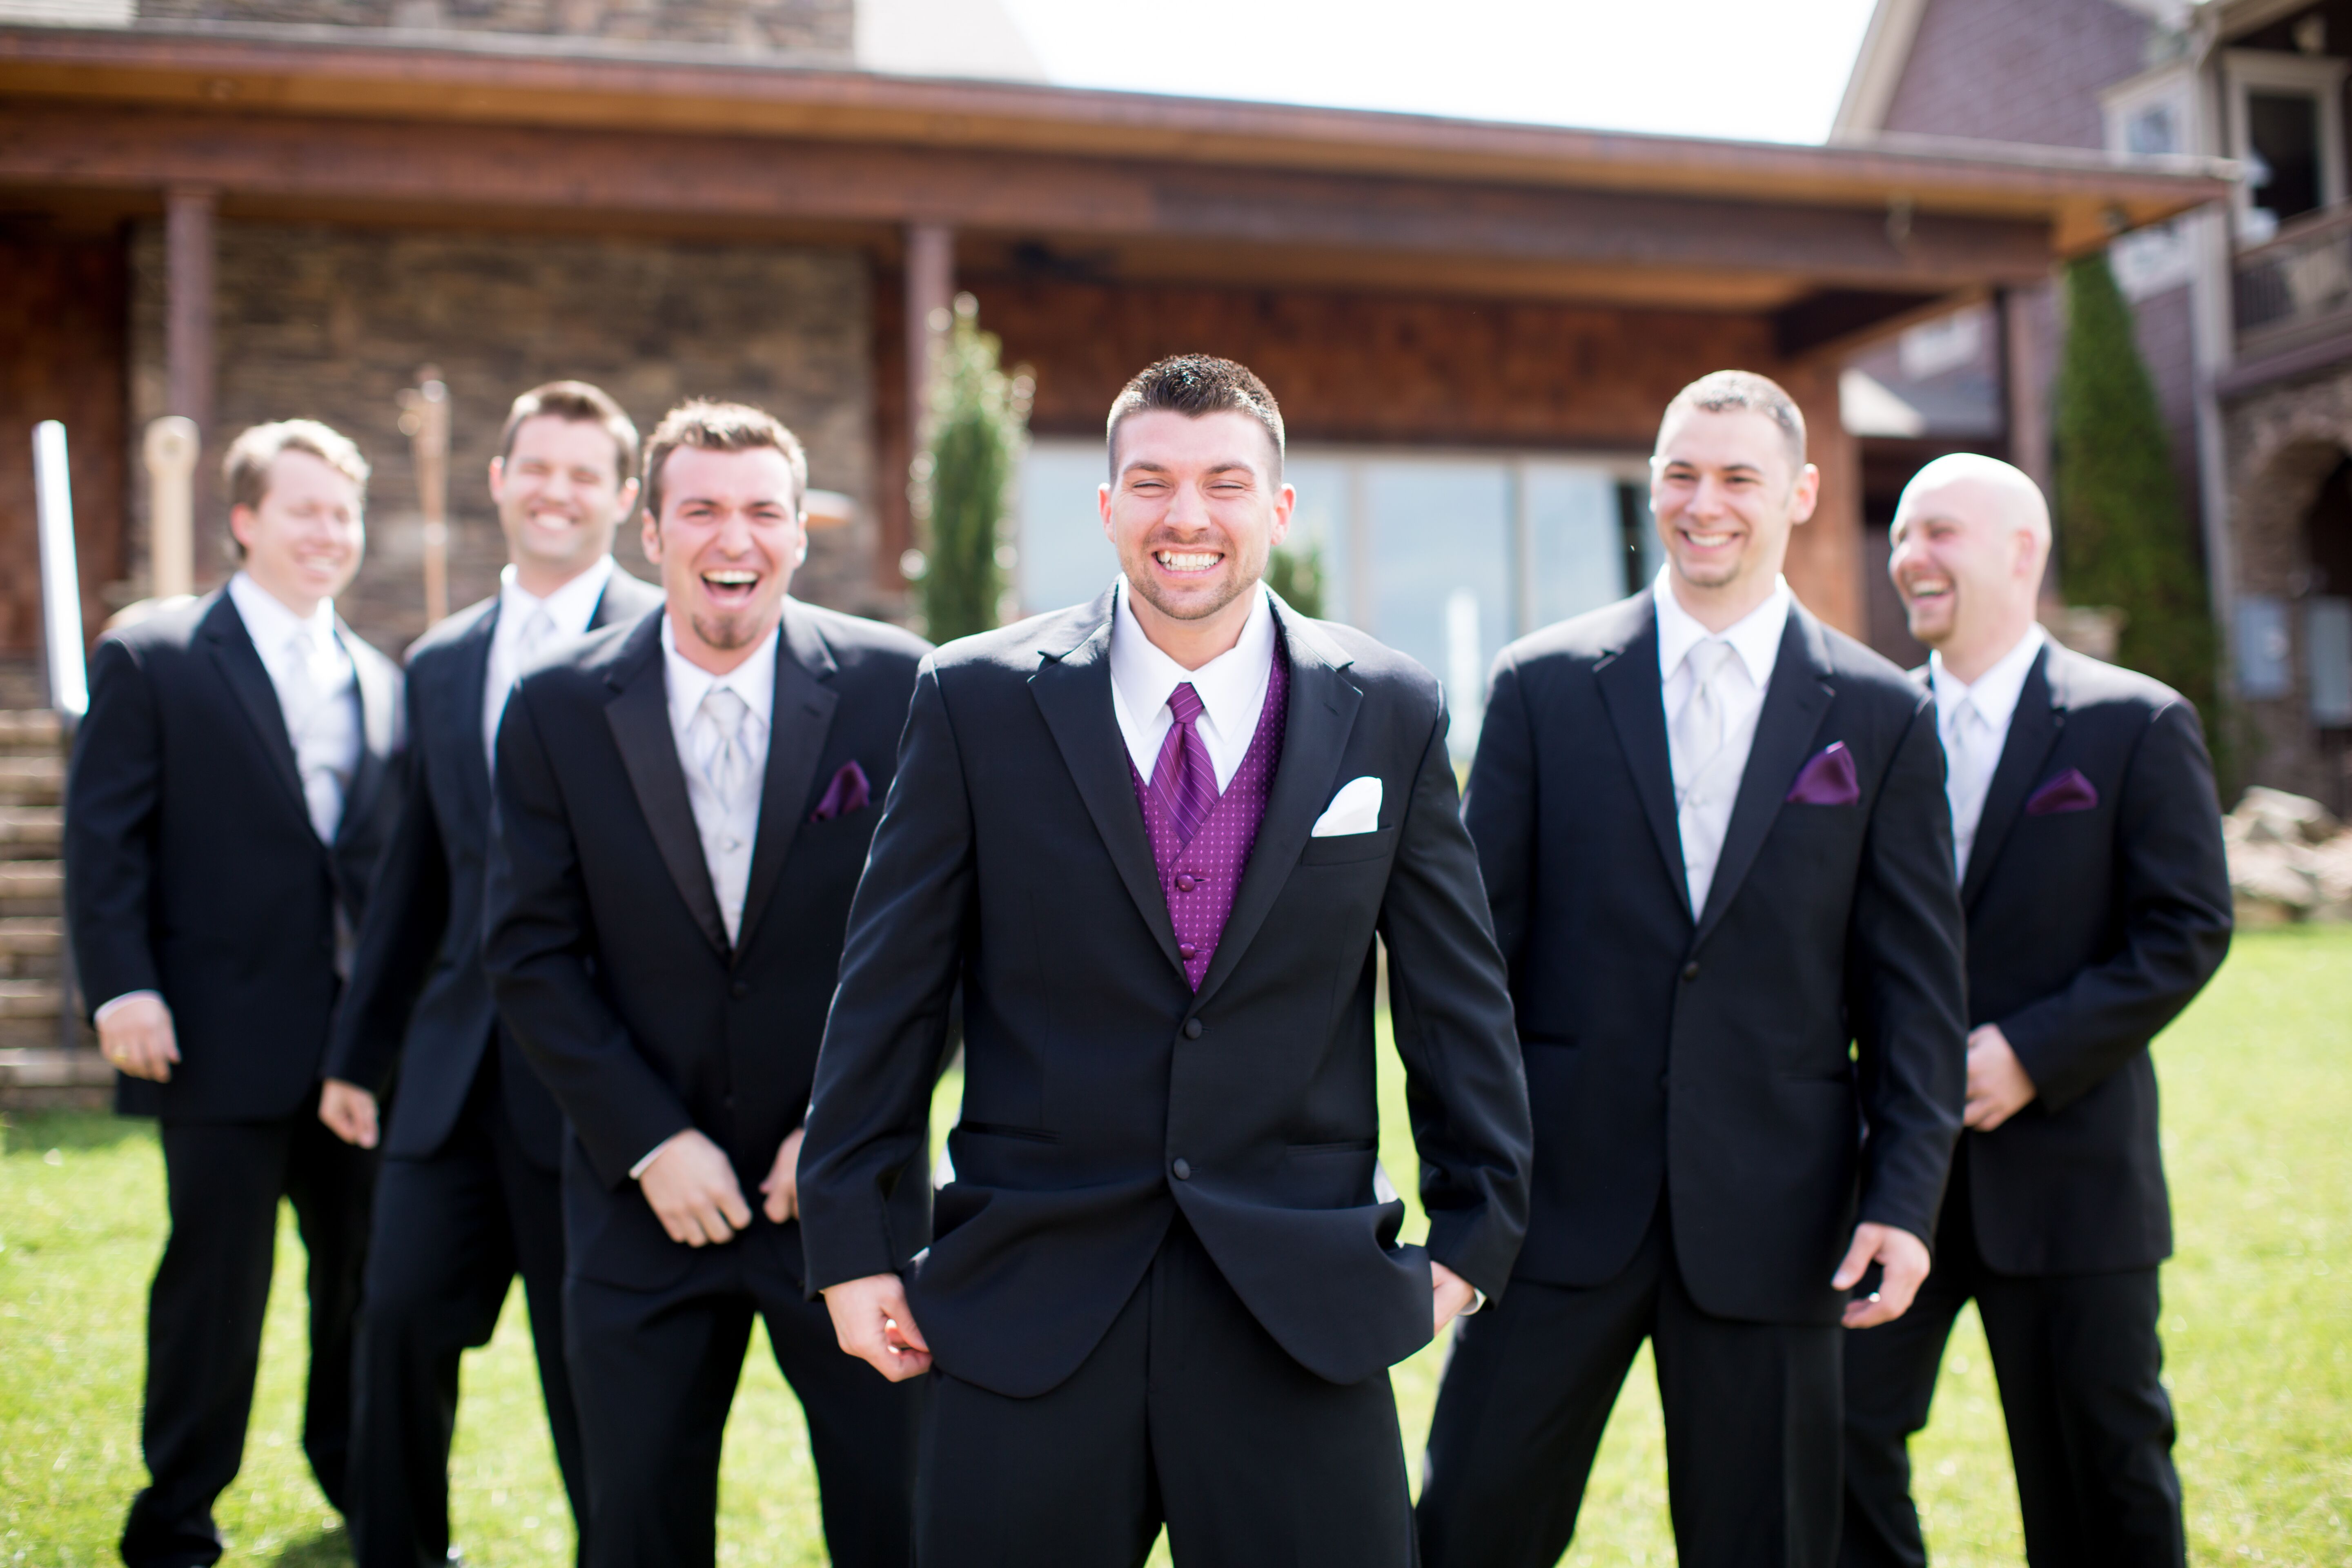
(1968, 543)
(1195, 508)
(560, 499)
(727, 539)
(304, 539)
(1726, 491)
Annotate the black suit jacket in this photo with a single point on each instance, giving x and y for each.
(191, 868)
(418, 999)
(603, 941)
(1779, 1064)
(1102, 1094)
(2089, 930)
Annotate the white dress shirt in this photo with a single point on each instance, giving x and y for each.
(1973, 724)
(318, 692)
(1706, 788)
(527, 627)
(1231, 688)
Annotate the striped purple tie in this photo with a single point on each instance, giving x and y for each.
(1184, 778)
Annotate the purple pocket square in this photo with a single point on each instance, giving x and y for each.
(2069, 790)
(1827, 779)
(848, 792)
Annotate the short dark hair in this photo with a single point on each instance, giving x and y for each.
(581, 404)
(1744, 391)
(710, 427)
(1193, 385)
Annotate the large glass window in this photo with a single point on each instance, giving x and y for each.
(1445, 557)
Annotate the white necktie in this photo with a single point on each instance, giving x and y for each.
(537, 630)
(721, 754)
(322, 788)
(1968, 776)
(1699, 728)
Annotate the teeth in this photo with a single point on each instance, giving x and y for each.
(731, 579)
(1708, 540)
(1187, 563)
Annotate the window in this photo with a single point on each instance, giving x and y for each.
(2153, 115)
(1445, 556)
(2286, 122)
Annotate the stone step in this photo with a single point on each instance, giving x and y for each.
(26, 831)
(40, 1033)
(31, 887)
(31, 948)
(30, 730)
(28, 999)
(37, 780)
(45, 1077)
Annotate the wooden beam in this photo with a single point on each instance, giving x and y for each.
(930, 294)
(1830, 316)
(188, 251)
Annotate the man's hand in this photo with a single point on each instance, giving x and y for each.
(1449, 1295)
(783, 1184)
(349, 1112)
(692, 1188)
(871, 1320)
(1902, 1258)
(137, 1038)
(1998, 1085)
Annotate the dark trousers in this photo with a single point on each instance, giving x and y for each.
(204, 1316)
(1751, 1415)
(2090, 1427)
(451, 1233)
(656, 1373)
(1187, 1413)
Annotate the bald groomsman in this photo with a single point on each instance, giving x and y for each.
(467, 1198)
(2089, 847)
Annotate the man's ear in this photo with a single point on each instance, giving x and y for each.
(1806, 494)
(498, 477)
(240, 526)
(650, 536)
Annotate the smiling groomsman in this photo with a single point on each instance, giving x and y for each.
(684, 806)
(231, 788)
(467, 1196)
(1714, 836)
(2098, 905)
(1153, 838)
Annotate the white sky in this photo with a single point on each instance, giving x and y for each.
(1754, 69)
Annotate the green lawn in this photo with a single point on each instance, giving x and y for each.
(2258, 1321)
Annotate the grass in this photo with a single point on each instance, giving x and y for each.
(2258, 1326)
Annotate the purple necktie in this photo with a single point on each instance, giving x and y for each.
(1184, 778)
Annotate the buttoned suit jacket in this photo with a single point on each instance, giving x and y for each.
(1101, 1093)
(603, 944)
(2089, 930)
(418, 1003)
(1773, 1066)
(191, 868)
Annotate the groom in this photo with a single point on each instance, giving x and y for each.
(1153, 838)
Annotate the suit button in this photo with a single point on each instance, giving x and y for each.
(1183, 1169)
(1192, 1028)
(738, 990)
(1690, 969)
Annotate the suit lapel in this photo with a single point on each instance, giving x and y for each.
(379, 693)
(1632, 691)
(639, 715)
(1323, 703)
(800, 719)
(1073, 691)
(1799, 693)
(2032, 731)
(469, 675)
(241, 669)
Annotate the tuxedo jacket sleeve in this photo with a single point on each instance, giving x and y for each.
(2172, 901)
(117, 782)
(538, 949)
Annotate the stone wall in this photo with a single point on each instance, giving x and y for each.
(810, 32)
(331, 322)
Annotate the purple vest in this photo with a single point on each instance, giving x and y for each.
(1199, 880)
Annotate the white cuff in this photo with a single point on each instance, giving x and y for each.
(1477, 1302)
(100, 1016)
(637, 1170)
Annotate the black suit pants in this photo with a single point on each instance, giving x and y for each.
(656, 1373)
(205, 1315)
(1751, 1415)
(451, 1232)
(2090, 1427)
(1188, 1413)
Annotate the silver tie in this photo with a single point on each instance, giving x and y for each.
(1967, 778)
(720, 756)
(305, 699)
(1699, 728)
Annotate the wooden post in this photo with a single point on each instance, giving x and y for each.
(424, 420)
(172, 449)
(188, 249)
(930, 294)
(2026, 408)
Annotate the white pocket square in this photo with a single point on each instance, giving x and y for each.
(1355, 809)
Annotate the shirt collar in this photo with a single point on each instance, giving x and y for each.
(270, 622)
(1996, 691)
(1227, 685)
(754, 679)
(1755, 636)
(571, 608)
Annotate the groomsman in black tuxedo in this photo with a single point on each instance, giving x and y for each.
(467, 1196)
(1714, 836)
(231, 788)
(683, 803)
(2098, 905)
(1153, 838)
